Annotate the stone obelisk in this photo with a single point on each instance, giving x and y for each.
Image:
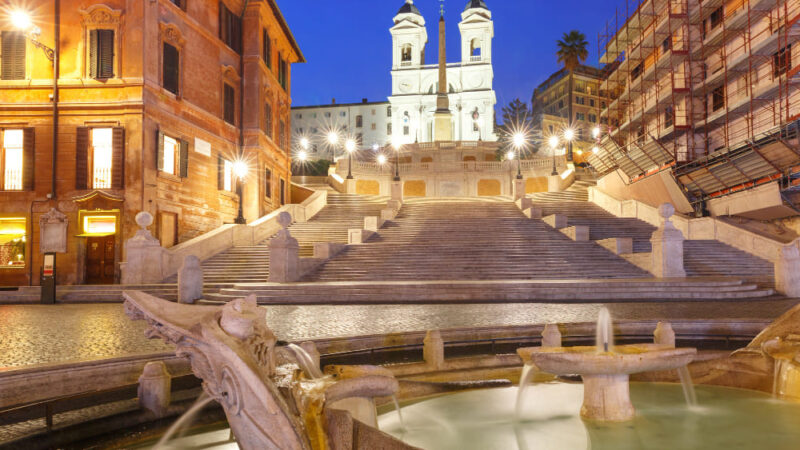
(443, 118)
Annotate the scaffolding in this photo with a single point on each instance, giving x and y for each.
(708, 89)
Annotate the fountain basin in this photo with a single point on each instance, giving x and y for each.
(606, 375)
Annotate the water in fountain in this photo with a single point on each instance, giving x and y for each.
(527, 373)
(688, 386)
(399, 413)
(604, 337)
(184, 420)
(306, 361)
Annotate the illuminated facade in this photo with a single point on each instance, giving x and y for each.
(156, 100)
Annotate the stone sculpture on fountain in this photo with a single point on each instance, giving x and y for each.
(269, 401)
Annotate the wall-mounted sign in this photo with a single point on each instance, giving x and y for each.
(202, 147)
(53, 226)
(48, 268)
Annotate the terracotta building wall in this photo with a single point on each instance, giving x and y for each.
(135, 100)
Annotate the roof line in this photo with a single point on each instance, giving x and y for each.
(285, 26)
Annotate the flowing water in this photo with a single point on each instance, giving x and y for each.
(306, 362)
(399, 413)
(486, 419)
(184, 421)
(528, 371)
(604, 335)
(688, 386)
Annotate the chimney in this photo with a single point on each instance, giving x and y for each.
(363, 100)
(333, 101)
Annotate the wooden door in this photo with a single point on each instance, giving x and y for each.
(100, 259)
(169, 229)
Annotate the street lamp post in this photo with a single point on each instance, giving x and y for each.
(519, 142)
(22, 21)
(350, 146)
(240, 170)
(554, 141)
(396, 146)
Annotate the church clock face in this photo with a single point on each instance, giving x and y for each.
(405, 86)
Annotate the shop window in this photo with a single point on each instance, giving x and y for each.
(13, 239)
(99, 225)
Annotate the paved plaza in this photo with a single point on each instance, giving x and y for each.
(31, 335)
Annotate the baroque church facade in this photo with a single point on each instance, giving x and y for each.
(409, 115)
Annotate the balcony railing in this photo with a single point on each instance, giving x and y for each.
(423, 168)
(101, 178)
(12, 180)
(476, 58)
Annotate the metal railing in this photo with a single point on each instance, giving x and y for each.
(450, 166)
(12, 180)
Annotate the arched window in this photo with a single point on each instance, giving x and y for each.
(405, 55)
(475, 49)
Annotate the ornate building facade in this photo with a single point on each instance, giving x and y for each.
(155, 101)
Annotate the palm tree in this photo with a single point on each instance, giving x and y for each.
(572, 52)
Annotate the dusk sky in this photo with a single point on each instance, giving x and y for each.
(348, 45)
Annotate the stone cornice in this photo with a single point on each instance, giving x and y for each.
(100, 15)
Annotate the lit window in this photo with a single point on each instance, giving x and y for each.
(12, 174)
(227, 172)
(99, 224)
(103, 149)
(170, 148)
(12, 242)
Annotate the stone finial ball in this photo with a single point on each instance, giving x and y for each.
(666, 210)
(284, 219)
(144, 219)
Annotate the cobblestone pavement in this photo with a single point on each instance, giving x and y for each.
(34, 334)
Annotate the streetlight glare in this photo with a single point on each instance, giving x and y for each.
(333, 137)
(596, 132)
(302, 156)
(396, 144)
(381, 159)
(519, 140)
(510, 155)
(595, 150)
(553, 141)
(21, 20)
(375, 147)
(569, 134)
(304, 143)
(240, 169)
(350, 145)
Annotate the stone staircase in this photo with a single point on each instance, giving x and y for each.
(470, 240)
(701, 258)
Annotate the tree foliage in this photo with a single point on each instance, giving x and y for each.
(573, 49)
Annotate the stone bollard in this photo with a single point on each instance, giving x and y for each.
(394, 205)
(190, 280)
(433, 349)
(551, 336)
(388, 214)
(667, 244)
(373, 223)
(664, 334)
(284, 253)
(155, 388)
(787, 271)
(144, 254)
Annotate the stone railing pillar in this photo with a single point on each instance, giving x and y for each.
(667, 244)
(519, 188)
(551, 336)
(155, 388)
(787, 271)
(397, 191)
(433, 349)
(144, 255)
(664, 334)
(190, 280)
(284, 253)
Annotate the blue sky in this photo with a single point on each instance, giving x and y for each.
(348, 45)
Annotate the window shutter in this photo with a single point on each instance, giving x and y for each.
(13, 55)
(159, 150)
(220, 173)
(28, 162)
(105, 54)
(118, 159)
(223, 21)
(93, 42)
(171, 68)
(229, 104)
(184, 159)
(82, 158)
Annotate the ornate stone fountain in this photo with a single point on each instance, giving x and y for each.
(606, 370)
(269, 401)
